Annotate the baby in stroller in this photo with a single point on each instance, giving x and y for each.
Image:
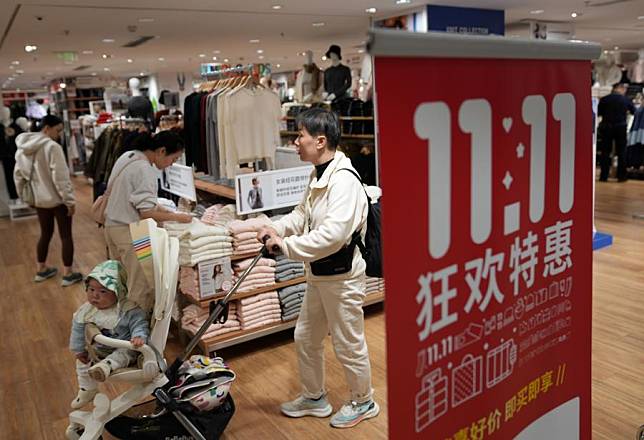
(108, 312)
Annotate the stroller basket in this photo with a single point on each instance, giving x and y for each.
(211, 424)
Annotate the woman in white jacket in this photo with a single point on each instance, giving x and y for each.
(320, 232)
(40, 162)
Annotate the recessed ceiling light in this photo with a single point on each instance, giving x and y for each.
(360, 50)
(276, 7)
(278, 65)
(324, 58)
(30, 48)
(302, 54)
(20, 72)
(537, 11)
(574, 15)
(130, 60)
(146, 20)
(261, 57)
(216, 52)
(254, 41)
(318, 24)
(371, 10)
(142, 74)
(226, 60)
(108, 40)
(93, 73)
(161, 59)
(260, 51)
(88, 52)
(214, 58)
(15, 63)
(105, 56)
(616, 48)
(107, 69)
(202, 55)
(403, 2)
(62, 85)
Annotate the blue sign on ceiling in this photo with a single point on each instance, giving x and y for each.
(472, 21)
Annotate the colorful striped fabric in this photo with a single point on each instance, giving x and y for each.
(142, 248)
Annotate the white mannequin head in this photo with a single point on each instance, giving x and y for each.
(134, 84)
(23, 123)
(309, 57)
(5, 116)
(335, 59)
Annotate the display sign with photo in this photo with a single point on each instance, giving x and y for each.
(179, 180)
(257, 192)
(214, 276)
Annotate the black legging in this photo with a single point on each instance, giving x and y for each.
(8, 164)
(46, 218)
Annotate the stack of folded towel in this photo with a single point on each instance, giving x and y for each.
(286, 270)
(259, 310)
(201, 242)
(375, 285)
(189, 281)
(219, 215)
(176, 229)
(194, 316)
(291, 300)
(244, 233)
(262, 275)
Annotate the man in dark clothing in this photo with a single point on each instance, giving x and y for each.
(612, 110)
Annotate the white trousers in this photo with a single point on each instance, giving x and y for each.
(119, 358)
(335, 307)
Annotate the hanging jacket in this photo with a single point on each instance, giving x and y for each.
(50, 181)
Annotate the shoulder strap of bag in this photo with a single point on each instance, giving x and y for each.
(110, 185)
(355, 238)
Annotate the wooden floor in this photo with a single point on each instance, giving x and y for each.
(37, 379)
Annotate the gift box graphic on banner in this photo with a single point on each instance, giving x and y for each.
(492, 272)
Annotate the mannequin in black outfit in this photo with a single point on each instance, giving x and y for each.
(337, 78)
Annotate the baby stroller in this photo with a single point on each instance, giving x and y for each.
(154, 377)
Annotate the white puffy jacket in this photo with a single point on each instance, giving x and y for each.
(51, 183)
(333, 208)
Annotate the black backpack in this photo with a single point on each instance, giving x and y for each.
(371, 249)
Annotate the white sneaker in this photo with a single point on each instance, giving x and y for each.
(83, 398)
(302, 407)
(100, 371)
(353, 413)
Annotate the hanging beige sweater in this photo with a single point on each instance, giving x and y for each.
(51, 183)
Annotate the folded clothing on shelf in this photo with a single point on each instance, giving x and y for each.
(286, 270)
(262, 275)
(291, 298)
(194, 317)
(200, 242)
(258, 310)
(219, 215)
(244, 234)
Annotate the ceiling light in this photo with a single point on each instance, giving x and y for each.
(15, 63)
(88, 52)
(161, 59)
(616, 48)
(12, 67)
(105, 56)
(130, 60)
(537, 11)
(403, 2)
(142, 74)
(278, 66)
(146, 20)
(202, 55)
(30, 48)
(360, 50)
(371, 10)
(20, 72)
(574, 15)
(225, 60)
(253, 41)
(214, 58)
(108, 40)
(260, 51)
(277, 7)
(93, 73)
(216, 52)
(62, 85)
(107, 69)
(318, 24)
(261, 57)
(302, 54)
(641, 17)
(323, 57)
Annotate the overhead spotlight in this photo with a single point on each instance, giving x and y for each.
(31, 48)
(146, 20)
(403, 2)
(108, 40)
(616, 48)
(278, 65)
(107, 69)
(20, 72)
(94, 73)
(277, 7)
(216, 52)
(130, 60)
(260, 51)
(214, 58)
(324, 58)
(226, 60)
(371, 10)
(161, 59)
(87, 52)
(202, 55)
(261, 57)
(537, 11)
(105, 56)
(142, 74)
(318, 24)
(15, 63)
(254, 41)
(360, 50)
(574, 15)
(62, 85)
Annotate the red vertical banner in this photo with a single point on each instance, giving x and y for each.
(485, 166)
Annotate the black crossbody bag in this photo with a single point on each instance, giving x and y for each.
(338, 263)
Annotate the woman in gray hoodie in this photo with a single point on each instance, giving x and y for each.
(40, 162)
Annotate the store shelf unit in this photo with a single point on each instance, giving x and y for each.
(212, 188)
(208, 345)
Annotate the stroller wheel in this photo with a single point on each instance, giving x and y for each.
(640, 433)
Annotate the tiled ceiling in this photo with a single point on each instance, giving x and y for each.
(184, 30)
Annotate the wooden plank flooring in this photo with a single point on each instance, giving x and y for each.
(38, 378)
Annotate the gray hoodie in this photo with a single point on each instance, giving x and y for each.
(50, 180)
